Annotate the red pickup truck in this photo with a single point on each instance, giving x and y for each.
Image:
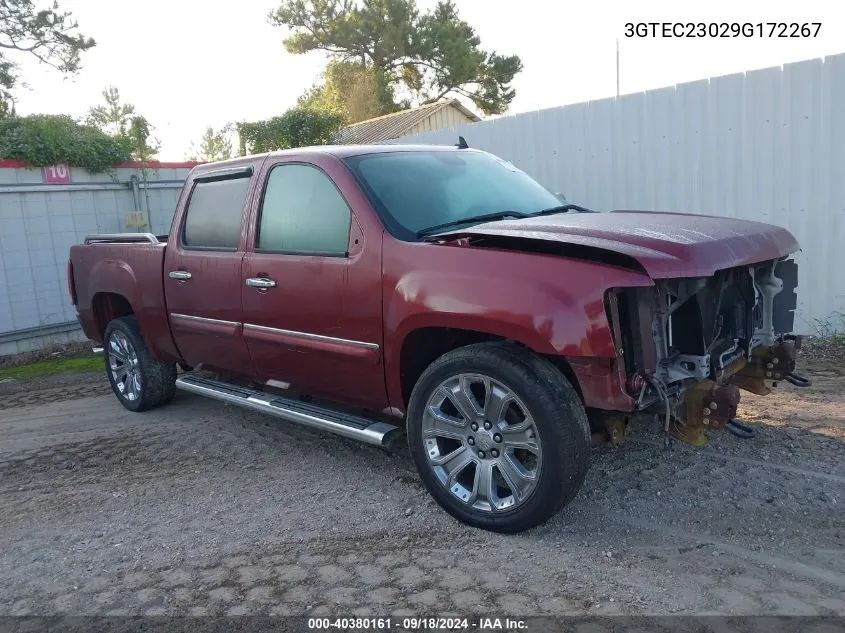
(441, 293)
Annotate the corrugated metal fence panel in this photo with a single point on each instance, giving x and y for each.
(767, 145)
(37, 229)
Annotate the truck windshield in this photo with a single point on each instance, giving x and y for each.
(414, 190)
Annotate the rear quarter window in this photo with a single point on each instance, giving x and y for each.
(215, 214)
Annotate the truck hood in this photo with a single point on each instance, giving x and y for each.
(666, 245)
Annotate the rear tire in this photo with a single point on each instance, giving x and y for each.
(499, 436)
(139, 381)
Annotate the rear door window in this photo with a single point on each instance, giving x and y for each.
(215, 214)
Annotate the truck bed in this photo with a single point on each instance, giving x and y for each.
(110, 272)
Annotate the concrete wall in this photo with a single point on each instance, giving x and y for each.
(39, 222)
(766, 145)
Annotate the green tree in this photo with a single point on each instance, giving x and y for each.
(121, 120)
(144, 146)
(144, 149)
(432, 54)
(48, 34)
(298, 127)
(7, 108)
(114, 117)
(355, 91)
(214, 146)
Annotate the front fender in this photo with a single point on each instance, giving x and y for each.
(552, 305)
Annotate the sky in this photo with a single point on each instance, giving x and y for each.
(188, 64)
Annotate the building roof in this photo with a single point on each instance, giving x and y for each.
(390, 126)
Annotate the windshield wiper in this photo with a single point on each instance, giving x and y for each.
(487, 217)
(563, 209)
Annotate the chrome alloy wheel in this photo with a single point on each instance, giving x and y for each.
(123, 366)
(481, 442)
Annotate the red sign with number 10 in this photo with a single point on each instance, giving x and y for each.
(57, 175)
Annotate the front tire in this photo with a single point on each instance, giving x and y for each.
(499, 436)
(139, 381)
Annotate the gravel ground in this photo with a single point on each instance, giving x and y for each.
(200, 508)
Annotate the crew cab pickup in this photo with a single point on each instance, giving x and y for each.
(441, 294)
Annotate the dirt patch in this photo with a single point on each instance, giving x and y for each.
(54, 388)
(199, 508)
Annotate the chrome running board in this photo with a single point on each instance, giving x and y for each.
(351, 426)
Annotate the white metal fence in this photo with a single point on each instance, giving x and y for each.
(43, 212)
(766, 145)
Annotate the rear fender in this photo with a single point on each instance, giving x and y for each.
(117, 277)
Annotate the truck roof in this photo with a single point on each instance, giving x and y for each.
(340, 151)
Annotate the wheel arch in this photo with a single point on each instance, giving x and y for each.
(424, 345)
(116, 293)
(108, 306)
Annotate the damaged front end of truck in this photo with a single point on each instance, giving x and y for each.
(689, 346)
(715, 318)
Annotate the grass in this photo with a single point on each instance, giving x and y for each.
(832, 328)
(829, 340)
(54, 366)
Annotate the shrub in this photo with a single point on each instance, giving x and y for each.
(44, 139)
(298, 127)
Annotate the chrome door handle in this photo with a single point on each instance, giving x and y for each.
(179, 274)
(260, 282)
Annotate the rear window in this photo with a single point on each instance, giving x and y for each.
(215, 212)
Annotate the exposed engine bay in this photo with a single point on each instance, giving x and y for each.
(690, 345)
